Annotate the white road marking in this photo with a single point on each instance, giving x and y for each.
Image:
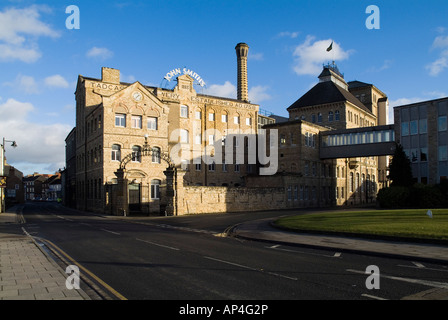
(113, 232)
(418, 264)
(434, 284)
(373, 297)
(157, 244)
(250, 268)
(276, 247)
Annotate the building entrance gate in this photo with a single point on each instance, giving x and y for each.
(128, 197)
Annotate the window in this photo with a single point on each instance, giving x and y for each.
(289, 193)
(237, 168)
(197, 139)
(211, 139)
(442, 123)
(414, 127)
(282, 139)
(184, 165)
(249, 121)
(136, 154)
(423, 125)
(211, 116)
(120, 120)
(184, 111)
(183, 135)
(319, 117)
(330, 116)
(198, 166)
(197, 115)
(337, 115)
(155, 189)
(152, 123)
(414, 155)
(136, 122)
(313, 118)
(443, 153)
(351, 182)
(405, 128)
(211, 166)
(236, 119)
(116, 152)
(424, 154)
(224, 118)
(156, 155)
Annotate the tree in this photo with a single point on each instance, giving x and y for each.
(400, 171)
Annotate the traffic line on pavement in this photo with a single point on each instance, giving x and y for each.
(428, 283)
(157, 244)
(113, 232)
(277, 247)
(373, 297)
(250, 268)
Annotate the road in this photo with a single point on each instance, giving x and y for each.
(185, 258)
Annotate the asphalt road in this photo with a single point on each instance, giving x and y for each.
(184, 258)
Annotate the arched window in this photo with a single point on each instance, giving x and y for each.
(155, 189)
(183, 136)
(156, 155)
(116, 152)
(337, 115)
(313, 118)
(136, 154)
(184, 111)
(319, 117)
(351, 182)
(330, 116)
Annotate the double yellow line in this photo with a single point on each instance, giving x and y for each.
(111, 290)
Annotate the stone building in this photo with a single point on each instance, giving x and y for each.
(116, 121)
(330, 105)
(147, 149)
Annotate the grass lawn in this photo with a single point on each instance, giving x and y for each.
(410, 223)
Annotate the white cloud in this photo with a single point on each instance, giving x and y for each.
(101, 53)
(26, 84)
(258, 94)
(386, 65)
(19, 31)
(288, 34)
(57, 81)
(255, 56)
(39, 145)
(310, 55)
(226, 90)
(438, 66)
(441, 63)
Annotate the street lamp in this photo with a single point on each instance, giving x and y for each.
(2, 174)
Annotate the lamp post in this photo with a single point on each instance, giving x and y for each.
(2, 174)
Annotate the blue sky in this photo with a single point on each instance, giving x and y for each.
(40, 59)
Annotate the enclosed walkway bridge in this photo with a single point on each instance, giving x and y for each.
(358, 142)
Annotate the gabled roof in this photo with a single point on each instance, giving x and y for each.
(326, 92)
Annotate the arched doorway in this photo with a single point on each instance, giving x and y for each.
(129, 195)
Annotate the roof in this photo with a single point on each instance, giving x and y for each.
(326, 92)
(358, 84)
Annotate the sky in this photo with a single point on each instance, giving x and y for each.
(401, 47)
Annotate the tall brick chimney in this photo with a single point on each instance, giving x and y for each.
(242, 50)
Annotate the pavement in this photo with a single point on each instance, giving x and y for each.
(28, 272)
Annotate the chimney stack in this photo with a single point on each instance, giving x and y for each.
(242, 50)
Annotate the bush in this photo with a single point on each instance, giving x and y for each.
(424, 196)
(417, 196)
(394, 197)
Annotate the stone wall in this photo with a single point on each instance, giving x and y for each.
(201, 199)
